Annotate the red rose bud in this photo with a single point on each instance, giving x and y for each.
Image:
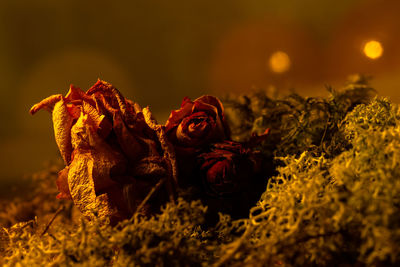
(227, 168)
(197, 123)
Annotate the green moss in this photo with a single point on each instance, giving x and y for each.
(334, 199)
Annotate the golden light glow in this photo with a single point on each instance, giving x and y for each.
(373, 49)
(279, 62)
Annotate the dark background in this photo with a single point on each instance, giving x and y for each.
(157, 52)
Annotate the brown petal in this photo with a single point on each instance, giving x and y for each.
(62, 184)
(111, 94)
(107, 161)
(222, 124)
(102, 125)
(75, 93)
(169, 152)
(129, 144)
(212, 100)
(177, 115)
(207, 108)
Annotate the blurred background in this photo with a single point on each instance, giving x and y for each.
(157, 52)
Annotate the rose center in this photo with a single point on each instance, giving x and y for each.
(195, 128)
(198, 127)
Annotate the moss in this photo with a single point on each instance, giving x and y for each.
(334, 199)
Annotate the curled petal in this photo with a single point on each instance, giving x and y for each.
(178, 115)
(221, 120)
(195, 129)
(62, 122)
(47, 104)
(101, 124)
(213, 101)
(111, 95)
(76, 93)
(169, 152)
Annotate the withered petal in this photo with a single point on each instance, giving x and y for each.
(82, 188)
(74, 110)
(111, 94)
(169, 152)
(213, 101)
(101, 124)
(62, 184)
(107, 160)
(62, 123)
(47, 104)
(79, 133)
(205, 104)
(178, 115)
(129, 144)
(75, 93)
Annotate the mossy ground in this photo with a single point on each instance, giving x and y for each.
(333, 198)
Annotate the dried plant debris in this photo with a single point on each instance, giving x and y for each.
(332, 198)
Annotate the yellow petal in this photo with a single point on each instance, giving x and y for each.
(81, 186)
(62, 123)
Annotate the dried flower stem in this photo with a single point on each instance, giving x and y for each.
(60, 209)
(148, 196)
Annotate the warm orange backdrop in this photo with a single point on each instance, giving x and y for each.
(157, 52)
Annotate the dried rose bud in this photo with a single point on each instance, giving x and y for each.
(227, 167)
(108, 144)
(197, 123)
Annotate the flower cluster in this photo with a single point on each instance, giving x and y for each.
(119, 160)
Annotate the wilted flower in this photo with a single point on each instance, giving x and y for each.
(108, 144)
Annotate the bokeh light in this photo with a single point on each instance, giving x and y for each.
(279, 62)
(373, 49)
(265, 52)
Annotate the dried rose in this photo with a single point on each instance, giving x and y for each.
(227, 167)
(197, 123)
(105, 140)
